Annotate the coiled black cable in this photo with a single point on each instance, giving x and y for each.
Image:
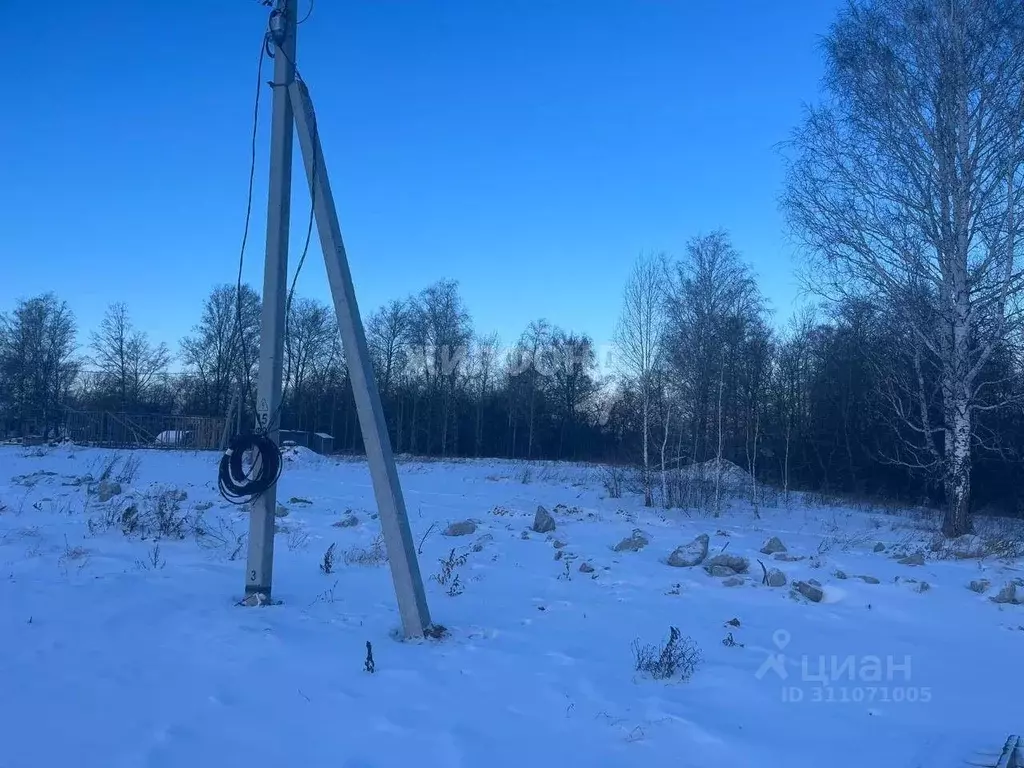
(239, 485)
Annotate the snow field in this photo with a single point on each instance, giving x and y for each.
(117, 650)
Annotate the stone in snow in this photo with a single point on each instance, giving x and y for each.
(869, 579)
(841, 574)
(917, 559)
(460, 528)
(1007, 594)
(735, 562)
(633, 543)
(979, 585)
(812, 592)
(348, 521)
(773, 545)
(586, 568)
(481, 542)
(689, 555)
(281, 510)
(783, 557)
(720, 570)
(107, 490)
(776, 578)
(733, 581)
(543, 522)
(879, 547)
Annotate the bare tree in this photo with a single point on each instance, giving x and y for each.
(572, 366)
(37, 362)
(387, 336)
(440, 332)
(484, 363)
(311, 349)
(639, 337)
(906, 188)
(127, 360)
(534, 352)
(219, 359)
(714, 309)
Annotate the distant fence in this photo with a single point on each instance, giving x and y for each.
(122, 430)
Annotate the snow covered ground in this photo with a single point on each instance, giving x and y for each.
(118, 650)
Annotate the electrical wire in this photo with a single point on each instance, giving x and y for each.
(239, 485)
(297, 75)
(248, 209)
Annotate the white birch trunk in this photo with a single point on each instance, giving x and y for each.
(664, 445)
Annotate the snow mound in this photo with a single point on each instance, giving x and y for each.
(733, 476)
(300, 454)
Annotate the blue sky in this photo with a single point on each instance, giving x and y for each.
(530, 149)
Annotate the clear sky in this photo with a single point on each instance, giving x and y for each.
(530, 149)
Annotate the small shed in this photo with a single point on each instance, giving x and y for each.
(323, 443)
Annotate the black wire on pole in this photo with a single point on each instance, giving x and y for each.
(312, 200)
(238, 334)
(238, 484)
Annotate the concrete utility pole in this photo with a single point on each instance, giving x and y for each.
(405, 570)
(260, 563)
(394, 520)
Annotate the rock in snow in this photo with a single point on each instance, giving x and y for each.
(773, 545)
(543, 522)
(785, 558)
(720, 570)
(633, 543)
(107, 490)
(460, 528)
(735, 562)
(690, 554)
(1007, 594)
(776, 578)
(812, 592)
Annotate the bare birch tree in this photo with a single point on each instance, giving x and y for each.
(128, 361)
(638, 338)
(906, 188)
(220, 355)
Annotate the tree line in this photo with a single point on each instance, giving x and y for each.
(902, 381)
